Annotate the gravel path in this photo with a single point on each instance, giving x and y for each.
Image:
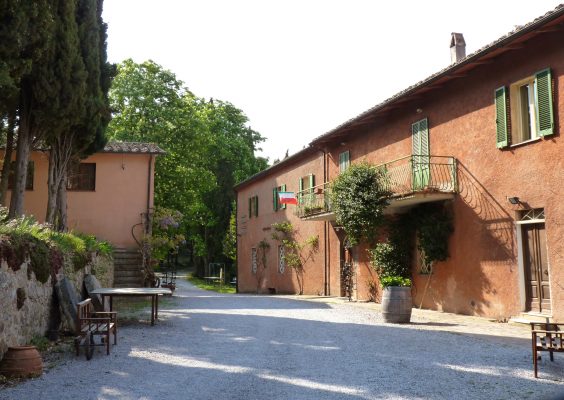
(211, 346)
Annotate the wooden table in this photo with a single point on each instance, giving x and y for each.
(153, 293)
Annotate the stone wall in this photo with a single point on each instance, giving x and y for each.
(25, 303)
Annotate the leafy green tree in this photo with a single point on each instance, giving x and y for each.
(208, 143)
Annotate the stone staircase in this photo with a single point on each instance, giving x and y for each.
(128, 269)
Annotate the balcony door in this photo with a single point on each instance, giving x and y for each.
(421, 171)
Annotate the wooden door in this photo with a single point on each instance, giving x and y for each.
(536, 268)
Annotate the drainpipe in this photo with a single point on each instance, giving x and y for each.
(326, 287)
(149, 177)
(237, 241)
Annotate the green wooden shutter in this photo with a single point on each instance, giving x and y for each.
(250, 207)
(415, 139)
(256, 206)
(543, 102)
(501, 117)
(424, 137)
(300, 189)
(311, 182)
(283, 189)
(344, 160)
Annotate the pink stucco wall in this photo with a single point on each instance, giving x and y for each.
(122, 194)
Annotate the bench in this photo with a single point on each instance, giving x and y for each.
(546, 336)
(90, 323)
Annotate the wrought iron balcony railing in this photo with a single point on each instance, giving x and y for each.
(403, 177)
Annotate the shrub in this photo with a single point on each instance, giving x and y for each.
(24, 238)
(359, 197)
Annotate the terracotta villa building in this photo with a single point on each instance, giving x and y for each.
(482, 137)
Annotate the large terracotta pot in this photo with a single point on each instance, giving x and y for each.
(21, 362)
(396, 304)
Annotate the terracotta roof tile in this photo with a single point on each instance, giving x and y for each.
(132, 147)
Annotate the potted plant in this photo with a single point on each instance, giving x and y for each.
(390, 261)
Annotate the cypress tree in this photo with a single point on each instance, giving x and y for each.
(35, 43)
(67, 77)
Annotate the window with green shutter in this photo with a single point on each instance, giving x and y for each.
(275, 198)
(344, 160)
(530, 107)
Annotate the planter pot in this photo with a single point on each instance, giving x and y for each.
(21, 362)
(396, 304)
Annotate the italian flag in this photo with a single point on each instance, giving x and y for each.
(287, 198)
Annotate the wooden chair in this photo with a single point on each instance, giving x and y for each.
(90, 323)
(546, 336)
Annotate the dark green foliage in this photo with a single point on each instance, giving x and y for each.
(359, 198)
(388, 261)
(434, 226)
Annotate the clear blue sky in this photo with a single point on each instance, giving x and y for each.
(299, 68)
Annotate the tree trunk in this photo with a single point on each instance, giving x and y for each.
(7, 166)
(62, 221)
(52, 188)
(22, 156)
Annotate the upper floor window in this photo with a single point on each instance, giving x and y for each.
(344, 160)
(276, 205)
(82, 177)
(306, 185)
(28, 179)
(530, 110)
(253, 206)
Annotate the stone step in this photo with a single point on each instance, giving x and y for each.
(527, 318)
(128, 263)
(126, 274)
(127, 257)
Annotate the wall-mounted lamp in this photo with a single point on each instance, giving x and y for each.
(419, 110)
(343, 143)
(514, 200)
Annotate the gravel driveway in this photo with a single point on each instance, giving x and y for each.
(211, 346)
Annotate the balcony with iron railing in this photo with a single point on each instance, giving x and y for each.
(411, 180)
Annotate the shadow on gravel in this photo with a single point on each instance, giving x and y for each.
(249, 357)
(237, 355)
(231, 302)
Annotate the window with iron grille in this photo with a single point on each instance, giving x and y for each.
(254, 260)
(82, 177)
(281, 259)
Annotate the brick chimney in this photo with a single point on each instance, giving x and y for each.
(457, 47)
